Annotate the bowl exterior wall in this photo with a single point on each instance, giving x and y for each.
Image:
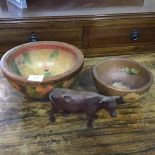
(40, 91)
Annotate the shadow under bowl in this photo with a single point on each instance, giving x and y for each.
(36, 68)
(122, 77)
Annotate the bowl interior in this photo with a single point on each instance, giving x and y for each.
(41, 59)
(122, 74)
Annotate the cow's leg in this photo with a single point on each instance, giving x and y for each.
(54, 110)
(91, 112)
(66, 113)
(90, 119)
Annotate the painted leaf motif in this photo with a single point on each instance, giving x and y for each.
(131, 71)
(134, 71)
(15, 68)
(54, 54)
(31, 91)
(47, 74)
(27, 58)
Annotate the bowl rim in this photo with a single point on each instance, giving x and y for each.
(147, 85)
(54, 79)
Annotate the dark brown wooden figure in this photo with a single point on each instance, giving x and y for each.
(90, 103)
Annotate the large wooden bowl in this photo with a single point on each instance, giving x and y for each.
(122, 77)
(35, 68)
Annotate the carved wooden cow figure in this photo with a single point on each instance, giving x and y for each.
(90, 103)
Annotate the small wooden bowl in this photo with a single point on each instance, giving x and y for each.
(122, 77)
(36, 68)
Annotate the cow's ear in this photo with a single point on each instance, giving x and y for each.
(67, 98)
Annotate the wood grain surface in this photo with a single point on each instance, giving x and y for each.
(25, 128)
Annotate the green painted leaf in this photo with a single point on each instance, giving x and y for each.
(54, 54)
(134, 71)
(131, 71)
(27, 58)
(47, 74)
(31, 91)
(14, 67)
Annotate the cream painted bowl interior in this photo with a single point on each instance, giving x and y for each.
(42, 61)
